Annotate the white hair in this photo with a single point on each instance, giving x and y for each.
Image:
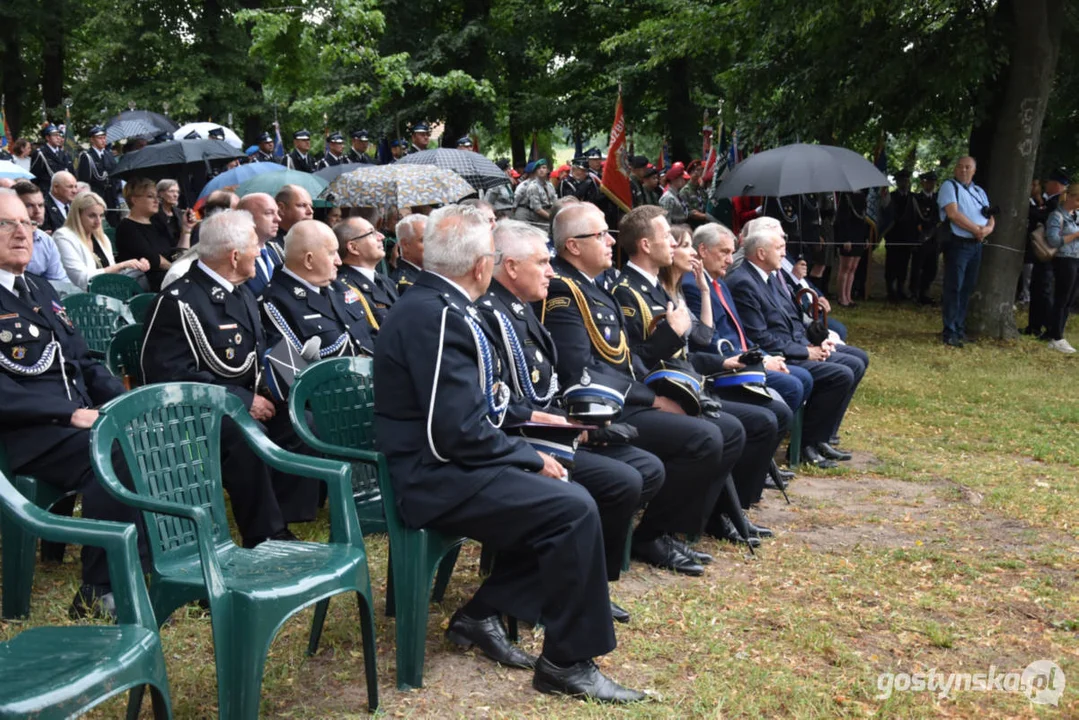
(517, 240)
(60, 177)
(167, 184)
(710, 234)
(410, 227)
(760, 233)
(762, 222)
(225, 232)
(456, 237)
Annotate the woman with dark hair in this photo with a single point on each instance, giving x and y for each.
(138, 237)
(20, 153)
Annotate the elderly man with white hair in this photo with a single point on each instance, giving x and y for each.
(439, 408)
(62, 191)
(206, 328)
(409, 231)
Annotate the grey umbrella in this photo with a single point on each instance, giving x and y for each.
(478, 171)
(800, 168)
(150, 123)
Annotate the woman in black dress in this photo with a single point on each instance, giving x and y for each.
(852, 235)
(138, 237)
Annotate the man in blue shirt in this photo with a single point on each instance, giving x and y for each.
(966, 207)
(45, 260)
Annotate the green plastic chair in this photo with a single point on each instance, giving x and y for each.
(114, 285)
(61, 672)
(124, 355)
(340, 395)
(97, 317)
(170, 435)
(140, 304)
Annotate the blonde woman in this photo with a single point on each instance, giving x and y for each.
(85, 251)
(138, 237)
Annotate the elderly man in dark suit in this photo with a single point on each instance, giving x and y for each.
(772, 321)
(438, 412)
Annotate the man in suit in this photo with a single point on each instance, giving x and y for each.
(620, 477)
(438, 412)
(923, 270)
(51, 389)
(335, 152)
(361, 140)
(299, 158)
(588, 329)
(265, 141)
(771, 320)
(304, 300)
(715, 246)
(62, 191)
(361, 248)
(50, 158)
(95, 167)
(265, 211)
(206, 328)
(409, 231)
(421, 138)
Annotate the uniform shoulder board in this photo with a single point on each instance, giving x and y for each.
(557, 303)
(628, 311)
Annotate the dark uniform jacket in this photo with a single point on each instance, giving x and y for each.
(404, 275)
(292, 310)
(360, 158)
(45, 162)
(95, 169)
(378, 296)
(295, 161)
(42, 384)
(330, 160)
(767, 319)
(260, 156)
(584, 190)
(200, 332)
(642, 301)
(54, 216)
(906, 219)
(432, 417)
(591, 337)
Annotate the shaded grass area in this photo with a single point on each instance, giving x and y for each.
(951, 542)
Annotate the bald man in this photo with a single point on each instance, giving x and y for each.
(293, 204)
(62, 191)
(361, 248)
(304, 301)
(266, 213)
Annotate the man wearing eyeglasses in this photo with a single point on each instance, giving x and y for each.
(46, 261)
(361, 248)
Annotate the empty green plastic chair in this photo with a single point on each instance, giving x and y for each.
(139, 305)
(97, 317)
(170, 436)
(114, 285)
(124, 355)
(340, 395)
(61, 672)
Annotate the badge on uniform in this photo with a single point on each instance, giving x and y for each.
(230, 353)
(518, 308)
(58, 311)
(18, 352)
(299, 292)
(473, 312)
(539, 356)
(607, 333)
(6, 336)
(239, 338)
(34, 332)
(350, 296)
(366, 287)
(217, 293)
(535, 375)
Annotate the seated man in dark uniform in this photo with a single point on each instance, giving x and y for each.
(361, 248)
(205, 327)
(51, 388)
(409, 232)
(438, 410)
(620, 477)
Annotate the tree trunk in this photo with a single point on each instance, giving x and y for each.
(680, 118)
(12, 80)
(54, 36)
(517, 141)
(1037, 30)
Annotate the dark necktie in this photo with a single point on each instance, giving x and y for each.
(22, 290)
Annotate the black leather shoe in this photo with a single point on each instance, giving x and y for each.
(831, 453)
(701, 558)
(662, 554)
(619, 614)
(785, 475)
(770, 484)
(581, 680)
(760, 531)
(834, 441)
(93, 601)
(726, 531)
(810, 456)
(490, 637)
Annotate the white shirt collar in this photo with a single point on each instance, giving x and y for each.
(764, 275)
(368, 273)
(60, 204)
(457, 287)
(7, 280)
(314, 288)
(215, 277)
(651, 278)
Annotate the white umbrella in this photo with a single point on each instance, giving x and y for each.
(203, 129)
(11, 171)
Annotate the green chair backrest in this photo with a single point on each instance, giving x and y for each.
(115, 285)
(98, 318)
(140, 305)
(124, 358)
(171, 432)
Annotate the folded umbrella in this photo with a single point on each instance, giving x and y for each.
(801, 168)
(397, 186)
(271, 182)
(478, 171)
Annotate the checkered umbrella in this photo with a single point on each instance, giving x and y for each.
(396, 186)
(138, 123)
(478, 171)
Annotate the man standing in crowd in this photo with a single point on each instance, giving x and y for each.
(335, 152)
(536, 196)
(95, 167)
(579, 182)
(966, 207)
(361, 140)
(923, 270)
(693, 195)
(421, 137)
(671, 200)
(438, 413)
(1040, 310)
(50, 158)
(361, 248)
(299, 159)
(903, 237)
(265, 152)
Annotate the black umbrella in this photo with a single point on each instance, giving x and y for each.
(800, 168)
(478, 171)
(168, 159)
(133, 123)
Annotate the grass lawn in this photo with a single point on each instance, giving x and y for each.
(951, 542)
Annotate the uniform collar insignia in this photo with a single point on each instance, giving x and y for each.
(518, 309)
(299, 292)
(217, 293)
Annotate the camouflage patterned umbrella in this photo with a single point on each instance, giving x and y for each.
(397, 186)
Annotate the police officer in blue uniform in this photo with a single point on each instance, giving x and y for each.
(265, 142)
(439, 407)
(50, 158)
(334, 155)
(299, 157)
(361, 248)
(421, 136)
(358, 153)
(95, 169)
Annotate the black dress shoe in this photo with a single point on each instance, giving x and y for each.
(581, 680)
(834, 440)
(760, 531)
(619, 614)
(490, 637)
(725, 530)
(662, 554)
(701, 558)
(831, 453)
(785, 475)
(810, 456)
(770, 484)
(93, 601)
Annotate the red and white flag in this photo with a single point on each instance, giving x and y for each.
(616, 169)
